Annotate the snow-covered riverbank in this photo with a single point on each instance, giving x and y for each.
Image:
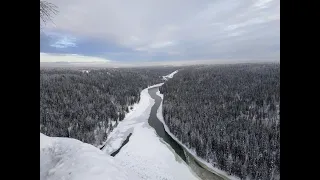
(146, 154)
(169, 76)
(125, 127)
(138, 114)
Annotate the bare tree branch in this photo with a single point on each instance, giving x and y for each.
(46, 11)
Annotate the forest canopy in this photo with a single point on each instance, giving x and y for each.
(88, 104)
(230, 116)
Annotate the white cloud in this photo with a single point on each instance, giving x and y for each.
(61, 40)
(203, 26)
(64, 42)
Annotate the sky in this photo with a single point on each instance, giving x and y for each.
(163, 31)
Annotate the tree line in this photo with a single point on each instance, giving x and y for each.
(87, 105)
(230, 116)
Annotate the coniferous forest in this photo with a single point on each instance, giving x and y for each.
(87, 105)
(229, 115)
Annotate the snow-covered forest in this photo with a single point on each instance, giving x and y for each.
(230, 116)
(88, 104)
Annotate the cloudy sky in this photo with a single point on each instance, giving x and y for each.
(164, 30)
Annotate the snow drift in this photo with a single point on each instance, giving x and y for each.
(68, 159)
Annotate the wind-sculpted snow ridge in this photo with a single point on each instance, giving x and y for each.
(169, 76)
(70, 159)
